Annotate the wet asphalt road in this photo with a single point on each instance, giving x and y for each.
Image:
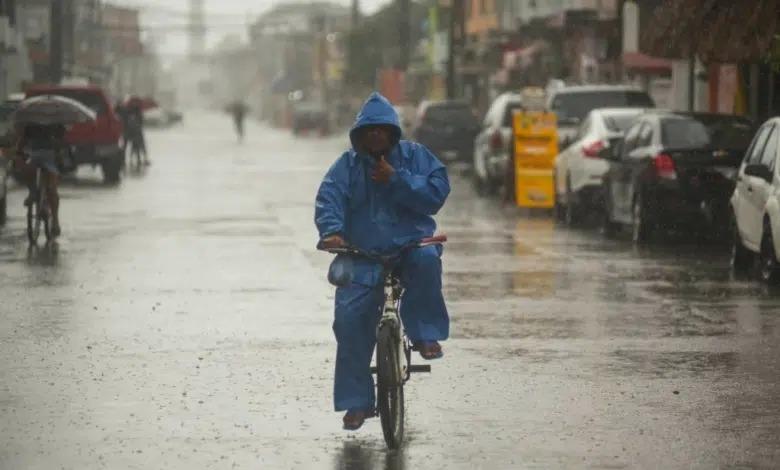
(183, 322)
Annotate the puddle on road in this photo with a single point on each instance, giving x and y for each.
(671, 364)
(507, 325)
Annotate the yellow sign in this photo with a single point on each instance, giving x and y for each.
(535, 136)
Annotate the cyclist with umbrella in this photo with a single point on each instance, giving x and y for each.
(41, 122)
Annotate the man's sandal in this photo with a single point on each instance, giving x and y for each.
(428, 349)
(354, 419)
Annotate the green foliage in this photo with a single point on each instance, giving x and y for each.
(373, 45)
(774, 54)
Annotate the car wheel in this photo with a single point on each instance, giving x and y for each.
(741, 257)
(481, 185)
(3, 210)
(572, 214)
(768, 265)
(609, 228)
(641, 225)
(559, 210)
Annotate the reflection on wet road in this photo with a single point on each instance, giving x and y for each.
(183, 321)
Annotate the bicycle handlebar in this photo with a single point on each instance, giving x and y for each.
(354, 251)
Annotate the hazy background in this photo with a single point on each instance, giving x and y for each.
(166, 20)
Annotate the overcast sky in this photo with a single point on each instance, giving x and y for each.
(166, 20)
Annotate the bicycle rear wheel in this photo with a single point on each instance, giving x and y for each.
(33, 227)
(44, 214)
(390, 387)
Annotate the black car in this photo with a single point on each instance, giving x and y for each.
(448, 129)
(309, 116)
(674, 170)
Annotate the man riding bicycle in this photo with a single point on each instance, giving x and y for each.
(41, 146)
(380, 196)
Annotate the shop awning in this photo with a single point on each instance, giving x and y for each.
(636, 61)
(713, 30)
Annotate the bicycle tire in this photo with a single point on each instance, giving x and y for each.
(44, 212)
(390, 387)
(32, 235)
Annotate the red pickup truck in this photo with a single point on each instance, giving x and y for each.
(94, 143)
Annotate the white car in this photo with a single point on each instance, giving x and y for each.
(492, 145)
(579, 169)
(756, 206)
(571, 104)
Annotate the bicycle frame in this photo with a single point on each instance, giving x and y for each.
(391, 315)
(393, 350)
(393, 290)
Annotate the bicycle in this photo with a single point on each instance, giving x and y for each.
(38, 210)
(393, 364)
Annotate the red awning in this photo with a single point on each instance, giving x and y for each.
(646, 63)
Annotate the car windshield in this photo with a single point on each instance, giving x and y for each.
(573, 107)
(715, 132)
(90, 99)
(453, 115)
(619, 122)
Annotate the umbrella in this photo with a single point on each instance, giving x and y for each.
(51, 110)
(144, 103)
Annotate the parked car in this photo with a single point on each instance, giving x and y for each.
(447, 128)
(492, 145)
(161, 118)
(756, 206)
(571, 105)
(309, 116)
(93, 143)
(6, 145)
(579, 169)
(674, 170)
(406, 114)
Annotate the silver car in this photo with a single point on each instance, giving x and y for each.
(580, 167)
(492, 145)
(572, 103)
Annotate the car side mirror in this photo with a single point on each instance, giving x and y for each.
(759, 171)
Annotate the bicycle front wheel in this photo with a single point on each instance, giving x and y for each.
(33, 227)
(390, 387)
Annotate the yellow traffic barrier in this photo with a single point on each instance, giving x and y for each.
(535, 136)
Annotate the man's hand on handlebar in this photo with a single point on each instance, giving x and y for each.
(333, 241)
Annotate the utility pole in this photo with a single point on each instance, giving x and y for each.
(455, 36)
(355, 14)
(56, 50)
(404, 31)
(197, 30)
(352, 45)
